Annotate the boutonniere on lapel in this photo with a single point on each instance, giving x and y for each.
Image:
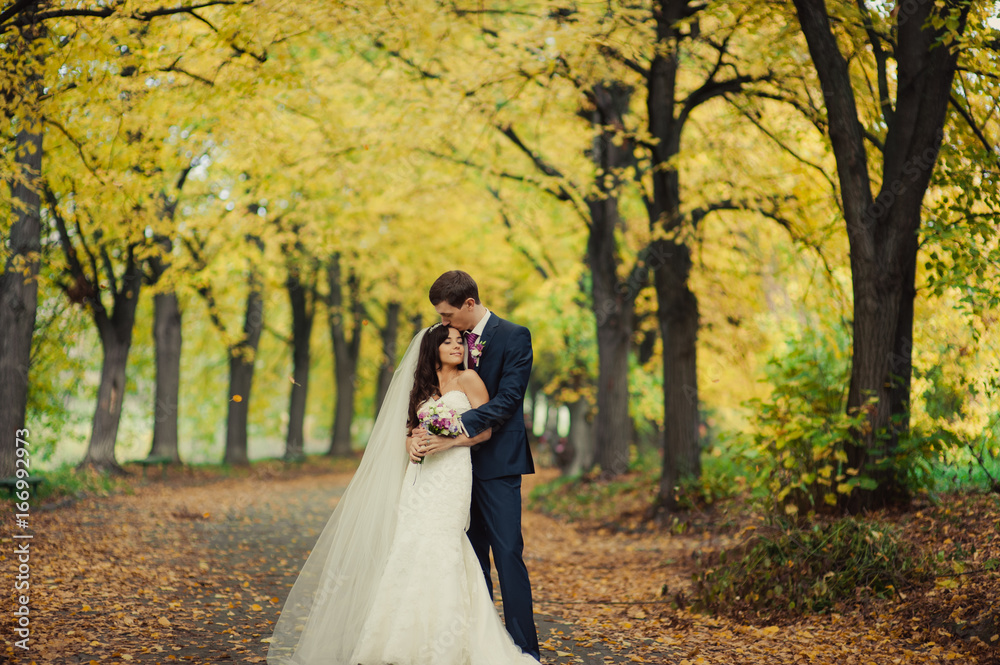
(475, 351)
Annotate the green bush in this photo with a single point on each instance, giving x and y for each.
(808, 569)
(800, 431)
(727, 471)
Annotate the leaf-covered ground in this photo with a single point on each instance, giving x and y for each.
(194, 568)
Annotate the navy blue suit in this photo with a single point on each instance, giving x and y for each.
(497, 466)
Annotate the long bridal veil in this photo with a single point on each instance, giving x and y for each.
(322, 617)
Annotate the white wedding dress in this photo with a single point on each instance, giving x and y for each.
(432, 606)
(392, 578)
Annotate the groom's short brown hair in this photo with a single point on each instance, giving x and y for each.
(455, 287)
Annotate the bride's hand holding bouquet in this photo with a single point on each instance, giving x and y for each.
(439, 428)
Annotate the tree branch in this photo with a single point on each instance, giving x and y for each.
(557, 193)
(172, 67)
(167, 11)
(510, 227)
(615, 54)
(459, 11)
(711, 89)
(542, 165)
(76, 270)
(72, 258)
(205, 290)
(880, 60)
(699, 214)
(79, 146)
(109, 268)
(66, 13)
(967, 116)
(15, 9)
(105, 12)
(410, 63)
(535, 158)
(771, 211)
(813, 116)
(261, 58)
(784, 223)
(92, 260)
(988, 75)
(781, 144)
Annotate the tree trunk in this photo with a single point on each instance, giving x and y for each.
(677, 310)
(19, 290)
(881, 366)
(116, 340)
(613, 301)
(167, 338)
(301, 297)
(670, 258)
(581, 439)
(389, 334)
(345, 353)
(882, 232)
(242, 357)
(612, 426)
(901, 367)
(110, 395)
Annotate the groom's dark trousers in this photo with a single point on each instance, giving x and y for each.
(497, 466)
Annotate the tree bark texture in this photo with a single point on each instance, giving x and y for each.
(345, 350)
(613, 299)
(242, 357)
(115, 331)
(167, 338)
(302, 297)
(389, 334)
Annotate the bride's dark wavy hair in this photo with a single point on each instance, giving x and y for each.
(425, 381)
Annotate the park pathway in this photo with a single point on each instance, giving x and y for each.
(195, 569)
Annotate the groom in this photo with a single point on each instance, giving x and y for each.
(500, 351)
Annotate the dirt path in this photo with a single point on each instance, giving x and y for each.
(196, 570)
(193, 571)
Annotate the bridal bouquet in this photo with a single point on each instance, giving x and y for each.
(440, 420)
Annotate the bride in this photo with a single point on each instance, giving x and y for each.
(393, 579)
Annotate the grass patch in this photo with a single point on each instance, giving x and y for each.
(956, 469)
(67, 481)
(591, 498)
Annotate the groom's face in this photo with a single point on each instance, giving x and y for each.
(457, 317)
